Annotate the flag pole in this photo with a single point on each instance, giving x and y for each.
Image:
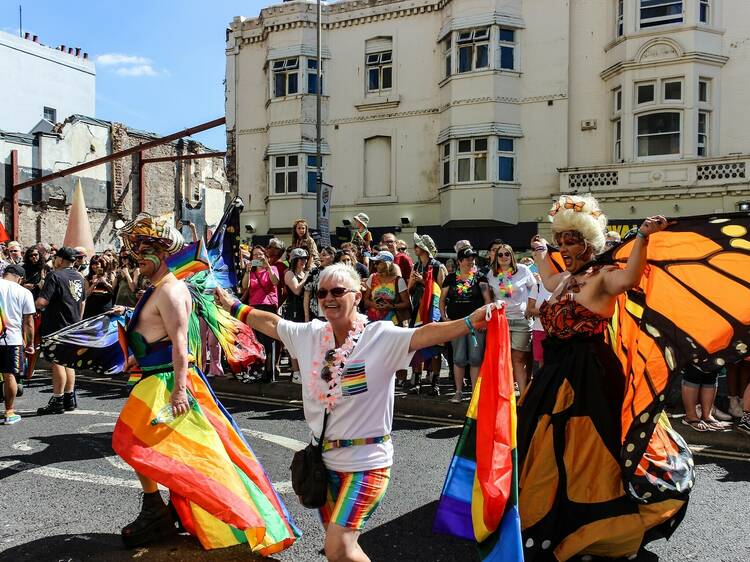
(319, 157)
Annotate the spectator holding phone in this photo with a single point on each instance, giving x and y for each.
(99, 288)
(126, 280)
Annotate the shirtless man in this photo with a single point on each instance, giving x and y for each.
(163, 316)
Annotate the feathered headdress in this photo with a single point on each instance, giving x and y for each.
(154, 230)
(580, 213)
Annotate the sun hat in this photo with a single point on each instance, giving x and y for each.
(298, 253)
(362, 218)
(426, 243)
(383, 255)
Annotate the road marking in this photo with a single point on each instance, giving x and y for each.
(286, 442)
(92, 413)
(64, 474)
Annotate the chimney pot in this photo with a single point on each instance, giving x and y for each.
(70, 50)
(78, 51)
(35, 39)
(26, 35)
(85, 55)
(62, 48)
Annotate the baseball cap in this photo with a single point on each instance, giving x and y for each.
(383, 255)
(464, 253)
(15, 269)
(67, 253)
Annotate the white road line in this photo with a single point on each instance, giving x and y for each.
(286, 442)
(92, 413)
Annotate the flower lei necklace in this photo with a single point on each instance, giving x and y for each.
(463, 286)
(505, 287)
(325, 379)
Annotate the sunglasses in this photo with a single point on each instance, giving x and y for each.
(325, 372)
(336, 292)
(503, 254)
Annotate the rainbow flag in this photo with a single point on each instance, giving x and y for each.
(428, 311)
(190, 260)
(219, 488)
(479, 500)
(224, 247)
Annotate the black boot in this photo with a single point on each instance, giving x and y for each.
(434, 389)
(54, 406)
(70, 401)
(153, 523)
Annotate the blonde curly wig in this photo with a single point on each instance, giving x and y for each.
(580, 213)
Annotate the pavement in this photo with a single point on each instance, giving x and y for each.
(66, 495)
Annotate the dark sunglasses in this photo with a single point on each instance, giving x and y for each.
(336, 292)
(325, 372)
(503, 254)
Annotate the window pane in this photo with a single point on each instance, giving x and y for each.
(658, 123)
(618, 100)
(387, 77)
(673, 90)
(506, 145)
(446, 172)
(312, 182)
(293, 88)
(483, 60)
(480, 145)
(447, 149)
(373, 59)
(279, 85)
(312, 83)
(704, 13)
(506, 168)
(291, 63)
(481, 34)
(703, 91)
(278, 65)
(312, 64)
(645, 93)
(464, 36)
(291, 179)
(373, 82)
(464, 58)
(507, 35)
(464, 146)
(293, 161)
(448, 64)
(312, 161)
(386, 57)
(506, 58)
(279, 182)
(464, 167)
(281, 161)
(702, 120)
(480, 169)
(658, 134)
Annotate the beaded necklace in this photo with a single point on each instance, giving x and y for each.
(505, 285)
(463, 286)
(325, 378)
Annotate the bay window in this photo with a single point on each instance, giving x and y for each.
(473, 49)
(471, 160)
(285, 77)
(284, 172)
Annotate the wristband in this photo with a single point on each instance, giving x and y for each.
(469, 325)
(240, 311)
(640, 234)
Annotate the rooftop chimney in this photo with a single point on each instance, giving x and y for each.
(78, 51)
(26, 35)
(85, 56)
(35, 39)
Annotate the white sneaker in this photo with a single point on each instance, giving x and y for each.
(721, 416)
(457, 397)
(296, 378)
(735, 406)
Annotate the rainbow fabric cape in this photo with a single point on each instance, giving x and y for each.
(192, 259)
(479, 500)
(219, 488)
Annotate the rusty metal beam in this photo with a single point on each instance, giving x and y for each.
(128, 151)
(14, 197)
(141, 182)
(184, 157)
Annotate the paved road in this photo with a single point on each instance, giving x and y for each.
(65, 495)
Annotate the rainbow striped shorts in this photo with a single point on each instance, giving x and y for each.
(354, 496)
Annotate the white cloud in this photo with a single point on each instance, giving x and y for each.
(137, 70)
(117, 59)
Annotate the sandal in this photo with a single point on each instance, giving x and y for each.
(716, 425)
(697, 425)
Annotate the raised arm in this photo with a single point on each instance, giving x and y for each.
(436, 333)
(264, 322)
(618, 281)
(550, 276)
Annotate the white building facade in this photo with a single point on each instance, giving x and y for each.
(464, 118)
(39, 82)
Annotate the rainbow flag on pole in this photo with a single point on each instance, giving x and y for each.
(428, 311)
(479, 500)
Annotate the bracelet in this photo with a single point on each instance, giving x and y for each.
(469, 325)
(640, 234)
(240, 311)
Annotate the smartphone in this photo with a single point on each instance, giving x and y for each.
(256, 263)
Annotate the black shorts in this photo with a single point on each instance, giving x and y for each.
(12, 360)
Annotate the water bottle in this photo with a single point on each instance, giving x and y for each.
(165, 415)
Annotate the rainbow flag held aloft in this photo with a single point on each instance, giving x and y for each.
(428, 311)
(190, 260)
(479, 500)
(216, 483)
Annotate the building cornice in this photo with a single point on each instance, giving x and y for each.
(480, 129)
(696, 57)
(481, 20)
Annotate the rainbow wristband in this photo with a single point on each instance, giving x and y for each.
(240, 311)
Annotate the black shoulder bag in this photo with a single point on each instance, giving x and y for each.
(309, 474)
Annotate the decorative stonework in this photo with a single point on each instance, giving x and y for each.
(589, 180)
(724, 171)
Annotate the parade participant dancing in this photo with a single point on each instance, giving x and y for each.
(173, 431)
(347, 368)
(573, 497)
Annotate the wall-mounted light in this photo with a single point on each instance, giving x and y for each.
(632, 209)
(743, 206)
(249, 228)
(405, 221)
(346, 222)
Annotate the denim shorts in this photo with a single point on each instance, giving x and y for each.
(466, 353)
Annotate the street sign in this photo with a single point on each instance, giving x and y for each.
(324, 225)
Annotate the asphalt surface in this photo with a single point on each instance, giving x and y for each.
(65, 495)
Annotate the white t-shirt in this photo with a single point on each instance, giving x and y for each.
(362, 411)
(15, 301)
(540, 294)
(522, 283)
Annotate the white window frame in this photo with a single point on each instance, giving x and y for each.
(646, 23)
(288, 67)
(505, 44)
(654, 85)
(380, 62)
(509, 154)
(638, 136)
(448, 56)
(707, 5)
(472, 156)
(473, 38)
(619, 18)
(313, 72)
(708, 82)
(617, 132)
(703, 148)
(53, 114)
(286, 169)
(663, 90)
(446, 151)
(617, 100)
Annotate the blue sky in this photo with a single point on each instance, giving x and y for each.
(160, 63)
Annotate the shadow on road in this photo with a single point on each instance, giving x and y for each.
(445, 433)
(101, 547)
(411, 537)
(736, 470)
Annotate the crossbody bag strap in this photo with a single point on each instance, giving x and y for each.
(323, 432)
